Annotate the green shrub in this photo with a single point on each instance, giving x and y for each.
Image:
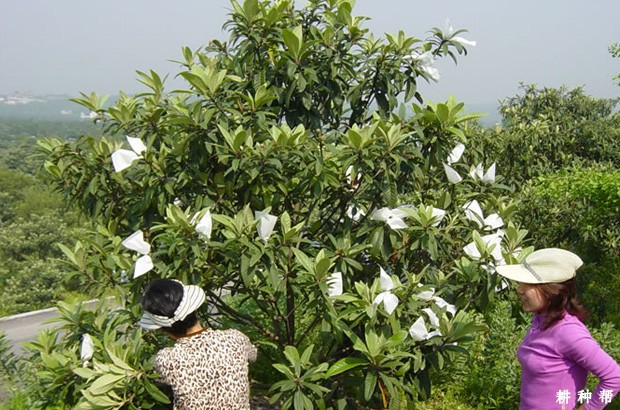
(577, 209)
(491, 378)
(548, 129)
(118, 375)
(31, 273)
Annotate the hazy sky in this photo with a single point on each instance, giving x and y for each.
(68, 46)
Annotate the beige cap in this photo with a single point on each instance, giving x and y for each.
(550, 265)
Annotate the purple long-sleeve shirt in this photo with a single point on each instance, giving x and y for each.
(555, 363)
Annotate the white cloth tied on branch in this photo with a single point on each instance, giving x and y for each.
(124, 158)
(136, 242)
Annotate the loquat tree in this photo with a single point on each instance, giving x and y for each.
(303, 182)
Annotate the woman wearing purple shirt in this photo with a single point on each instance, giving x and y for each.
(558, 352)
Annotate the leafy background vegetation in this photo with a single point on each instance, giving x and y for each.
(231, 147)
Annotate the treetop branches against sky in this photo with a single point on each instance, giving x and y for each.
(68, 46)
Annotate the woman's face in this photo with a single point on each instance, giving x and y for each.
(532, 298)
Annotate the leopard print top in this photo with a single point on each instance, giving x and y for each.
(208, 370)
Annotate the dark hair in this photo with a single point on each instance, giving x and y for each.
(162, 297)
(559, 299)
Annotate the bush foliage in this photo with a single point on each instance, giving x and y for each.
(575, 209)
(548, 129)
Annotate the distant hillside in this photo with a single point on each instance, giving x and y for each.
(43, 108)
(22, 114)
(59, 108)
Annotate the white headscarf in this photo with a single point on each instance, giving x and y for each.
(193, 298)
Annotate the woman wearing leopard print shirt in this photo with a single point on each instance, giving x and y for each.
(207, 369)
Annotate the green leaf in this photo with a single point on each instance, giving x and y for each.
(84, 372)
(398, 338)
(120, 363)
(443, 113)
(84, 405)
(68, 253)
(374, 343)
(370, 383)
(298, 401)
(305, 356)
(250, 9)
(345, 364)
(303, 259)
(101, 401)
(354, 138)
(293, 40)
(283, 369)
(155, 393)
(105, 383)
(292, 355)
(322, 267)
(50, 360)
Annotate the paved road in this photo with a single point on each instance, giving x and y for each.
(25, 327)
